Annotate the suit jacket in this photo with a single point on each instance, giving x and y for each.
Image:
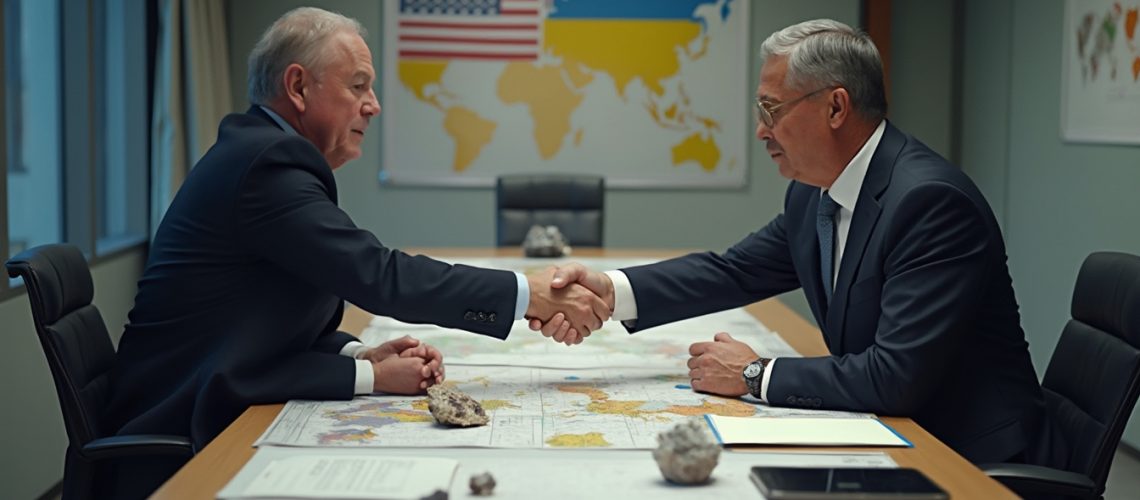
(245, 283)
(923, 322)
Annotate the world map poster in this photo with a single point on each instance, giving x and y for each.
(1100, 78)
(646, 93)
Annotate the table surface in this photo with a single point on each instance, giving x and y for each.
(213, 467)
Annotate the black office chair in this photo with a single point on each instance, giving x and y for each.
(80, 355)
(573, 203)
(1091, 383)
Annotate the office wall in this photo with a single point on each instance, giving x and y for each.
(31, 427)
(408, 217)
(921, 76)
(1062, 200)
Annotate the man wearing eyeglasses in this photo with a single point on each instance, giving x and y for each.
(900, 257)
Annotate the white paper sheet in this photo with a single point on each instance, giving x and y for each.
(566, 474)
(804, 431)
(324, 475)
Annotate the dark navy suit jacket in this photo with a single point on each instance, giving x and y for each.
(245, 284)
(923, 322)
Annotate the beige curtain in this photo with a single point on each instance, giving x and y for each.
(191, 93)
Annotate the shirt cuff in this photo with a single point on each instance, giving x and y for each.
(764, 379)
(365, 378)
(522, 300)
(625, 306)
(353, 349)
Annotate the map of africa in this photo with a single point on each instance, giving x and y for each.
(529, 408)
(620, 89)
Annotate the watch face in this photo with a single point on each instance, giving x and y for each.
(752, 370)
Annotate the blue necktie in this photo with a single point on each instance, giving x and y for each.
(825, 227)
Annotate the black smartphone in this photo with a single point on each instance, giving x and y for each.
(799, 483)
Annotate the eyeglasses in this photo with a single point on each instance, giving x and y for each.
(766, 112)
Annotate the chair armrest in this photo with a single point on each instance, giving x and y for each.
(137, 445)
(1025, 479)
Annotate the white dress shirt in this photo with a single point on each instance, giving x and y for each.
(845, 192)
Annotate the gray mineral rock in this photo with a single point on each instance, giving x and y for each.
(452, 407)
(482, 484)
(687, 453)
(545, 241)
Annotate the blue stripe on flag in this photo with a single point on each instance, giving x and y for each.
(627, 9)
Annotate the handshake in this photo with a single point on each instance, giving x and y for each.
(568, 302)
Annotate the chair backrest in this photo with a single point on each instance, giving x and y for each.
(573, 203)
(1093, 378)
(71, 330)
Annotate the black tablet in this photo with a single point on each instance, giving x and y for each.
(797, 483)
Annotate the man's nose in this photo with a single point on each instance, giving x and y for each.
(372, 104)
(763, 131)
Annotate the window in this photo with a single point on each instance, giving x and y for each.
(122, 132)
(32, 87)
(74, 134)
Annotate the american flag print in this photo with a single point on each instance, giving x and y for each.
(480, 30)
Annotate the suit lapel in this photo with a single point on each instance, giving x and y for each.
(863, 221)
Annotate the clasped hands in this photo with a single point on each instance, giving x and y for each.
(405, 366)
(568, 302)
(572, 301)
(715, 367)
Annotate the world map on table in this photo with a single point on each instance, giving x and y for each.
(615, 390)
(528, 408)
(478, 88)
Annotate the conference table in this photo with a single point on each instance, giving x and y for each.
(213, 467)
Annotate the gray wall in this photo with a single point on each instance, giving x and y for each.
(407, 217)
(922, 76)
(31, 427)
(1065, 200)
(1061, 201)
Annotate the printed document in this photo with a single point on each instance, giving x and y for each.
(342, 477)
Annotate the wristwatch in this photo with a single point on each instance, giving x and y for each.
(754, 374)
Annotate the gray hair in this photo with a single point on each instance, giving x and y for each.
(826, 52)
(300, 36)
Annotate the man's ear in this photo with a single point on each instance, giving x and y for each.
(839, 107)
(296, 81)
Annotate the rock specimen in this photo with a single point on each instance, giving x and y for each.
(687, 453)
(452, 407)
(545, 241)
(436, 495)
(482, 484)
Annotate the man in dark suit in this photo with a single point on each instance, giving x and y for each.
(899, 255)
(249, 270)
